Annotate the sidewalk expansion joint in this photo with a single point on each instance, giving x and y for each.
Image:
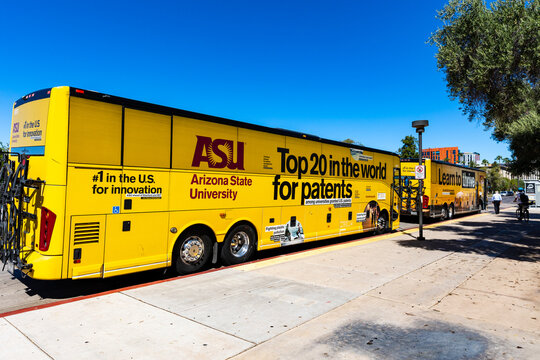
(191, 320)
(495, 294)
(24, 335)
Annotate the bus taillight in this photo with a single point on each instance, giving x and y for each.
(425, 201)
(47, 225)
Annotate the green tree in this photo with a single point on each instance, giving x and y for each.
(525, 143)
(472, 164)
(490, 57)
(409, 150)
(485, 162)
(351, 141)
(499, 158)
(494, 178)
(3, 148)
(515, 184)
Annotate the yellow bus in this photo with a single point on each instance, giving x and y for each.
(449, 189)
(98, 185)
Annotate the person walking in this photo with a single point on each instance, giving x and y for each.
(496, 200)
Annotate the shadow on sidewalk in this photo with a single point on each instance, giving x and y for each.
(502, 236)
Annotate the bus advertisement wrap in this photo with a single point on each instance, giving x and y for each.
(133, 186)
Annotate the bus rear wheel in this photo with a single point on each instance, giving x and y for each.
(239, 245)
(451, 211)
(382, 223)
(191, 252)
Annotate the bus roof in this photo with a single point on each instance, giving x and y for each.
(144, 106)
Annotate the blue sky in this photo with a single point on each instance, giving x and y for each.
(337, 69)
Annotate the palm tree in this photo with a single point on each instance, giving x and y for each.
(485, 162)
(499, 158)
(506, 161)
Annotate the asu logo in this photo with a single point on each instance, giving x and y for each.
(218, 153)
(15, 127)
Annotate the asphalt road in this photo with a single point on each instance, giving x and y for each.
(17, 292)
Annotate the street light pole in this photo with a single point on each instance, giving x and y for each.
(420, 125)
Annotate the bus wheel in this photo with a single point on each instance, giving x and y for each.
(382, 223)
(451, 211)
(191, 252)
(238, 245)
(444, 212)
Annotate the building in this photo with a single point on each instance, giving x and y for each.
(467, 157)
(503, 171)
(449, 154)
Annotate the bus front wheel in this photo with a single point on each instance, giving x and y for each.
(444, 212)
(191, 252)
(238, 245)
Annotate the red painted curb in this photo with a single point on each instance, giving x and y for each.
(67, 301)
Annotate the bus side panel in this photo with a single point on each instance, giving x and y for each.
(89, 195)
(87, 234)
(135, 242)
(144, 190)
(271, 219)
(220, 221)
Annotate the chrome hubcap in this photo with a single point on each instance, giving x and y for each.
(240, 244)
(381, 223)
(192, 249)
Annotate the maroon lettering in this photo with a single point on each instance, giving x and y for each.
(218, 153)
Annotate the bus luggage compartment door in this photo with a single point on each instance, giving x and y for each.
(86, 246)
(136, 242)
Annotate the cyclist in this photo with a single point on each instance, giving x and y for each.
(522, 200)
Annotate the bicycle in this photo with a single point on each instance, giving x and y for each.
(524, 214)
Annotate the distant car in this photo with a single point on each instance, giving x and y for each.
(509, 193)
(503, 193)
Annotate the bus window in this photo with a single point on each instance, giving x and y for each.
(147, 139)
(95, 132)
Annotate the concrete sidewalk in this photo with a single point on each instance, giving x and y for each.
(469, 291)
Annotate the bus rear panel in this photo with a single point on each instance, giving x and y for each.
(449, 189)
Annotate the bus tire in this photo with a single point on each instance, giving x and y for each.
(382, 223)
(239, 245)
(444, 212)
(451, 211)
(192, 251)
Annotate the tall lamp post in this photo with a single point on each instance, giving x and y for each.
(419, 125)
